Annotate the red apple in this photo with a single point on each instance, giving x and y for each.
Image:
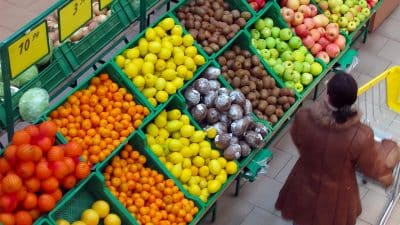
(332, 50)
(332, 25)
(293, 4)
(323, 56)
(301, 30)
(309, 22)
(315, 34)
(323, 42)
(260, 3)
(321, 31)
(314, 9)
(323, 5)
(254, 5)
(305, 10)
(298, 18)
(308, 41)
(332, 33)
(316, 49)
(287, 14)
(340, 41)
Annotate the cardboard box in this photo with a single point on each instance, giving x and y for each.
(382, 13)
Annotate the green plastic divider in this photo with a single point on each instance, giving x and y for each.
(234, 4)
(134, 42)
(138, 142)
(132, 7)
(48, 78)
(255, 166)
(81, 52)
(114, 75)
(83, 197)
(42, 221)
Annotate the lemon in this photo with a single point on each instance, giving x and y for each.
(160, 65)
(203, 198)
(204, 171)
(62, 222)
(165, 53)
(166, 43)
(174, 114)
(181, 70)
(162, 159)
(189, 63)
(162, 132)
(150, 34)
(120, 61)
(213, 186)
(176, 135)
(169, 166)
(193, 181)
(231, 167)
(179, 58)
(194, 148)
(194, 190)
(203, 182)
(187, 130)
(184, 141)
(185, 119)
(139, 81)
(157, 149)
(215, 167)
(132, 53)
(152, 130)
(160, 84)
(199, 60)
(195, 170)
(154, 47)
(176, 170)
(198, 161)
(222, 177)
(176, 40)
(101, 207)
(168, 74)
(150, 57)
(171, 64)
(160, 121)
(131, 70)
(177, 30)
(175, 145)
(148, 68)
(198, 136)
(191, 51)
(185, 175)
(186, 163)
(211, 132)
(215, 154)
(174, 125)
(90, 217)
(112, 219)
(178, 82)
(149, 92)
(177, 49)
(186, 152)
(188, 40)
(205, 152)
(161, 96)
(170, 88)
(167, 24)
(189, 75)
(152, 101)
(160, 32)
(175, 157)
(150, 80)
(143, 47)
(138, 62)
(205, 144)
(78, 223)
(150, 140)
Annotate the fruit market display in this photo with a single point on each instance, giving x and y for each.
(256, 4)
(285, 54)
(161, 62)
(229, 112)
(212, 23)
(99, 212)
(321, 37)
(244, 71)
(34, 173)
(187, 154)
(99, 117)
(146, 193)
(348, 14)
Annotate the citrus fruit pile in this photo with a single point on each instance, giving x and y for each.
(34, 172)
(162, 60)
(99, 118)
(187, 154)
(147, 195)
(100, 211)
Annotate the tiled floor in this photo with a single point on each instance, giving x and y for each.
(255, 204)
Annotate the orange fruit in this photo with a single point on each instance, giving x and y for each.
(42, 170)
(23, 218)
(46, 203)
(21, 137)
(48, 128)
(49, 185)
(30, 201)
(11, 183)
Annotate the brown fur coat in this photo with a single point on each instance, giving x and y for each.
(322, 188)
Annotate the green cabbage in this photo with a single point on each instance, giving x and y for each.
(28, 75)
(33, 103)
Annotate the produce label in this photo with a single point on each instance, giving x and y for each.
(28, 49)
(73, 16)
(104, 3)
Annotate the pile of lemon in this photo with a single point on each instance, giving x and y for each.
(161, 62)
(187, 154)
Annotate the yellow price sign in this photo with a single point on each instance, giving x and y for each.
(104, 3)
(73, 16)
(28, 49)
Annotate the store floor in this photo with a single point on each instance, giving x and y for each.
(255, 204)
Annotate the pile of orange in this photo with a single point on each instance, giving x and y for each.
(99, 118)
(34, 172)
(147, 195)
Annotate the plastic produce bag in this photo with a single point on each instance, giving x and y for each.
(33, 103)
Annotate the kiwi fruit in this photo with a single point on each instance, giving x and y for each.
(279, 112)
(270, 109)
(245, 90)
(236, 82)
(283, 100)
(264, 94)
(271, 100)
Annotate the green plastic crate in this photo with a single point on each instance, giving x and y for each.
(132, 7)
(116, 77)
(234, 4)
(134, 42)
(42, 221)
(83, 197)
(255, 166)
(81, 52)
(138, 142)
(48, 78)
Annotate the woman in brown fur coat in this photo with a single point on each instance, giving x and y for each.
(332, 142)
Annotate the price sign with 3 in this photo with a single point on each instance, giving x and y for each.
(73, 16)
(28, 49)
(104, 3)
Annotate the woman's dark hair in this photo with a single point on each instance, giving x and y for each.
(342, 92)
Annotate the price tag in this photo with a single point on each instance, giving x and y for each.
(104, 3)
(28, 49)
(73, 16)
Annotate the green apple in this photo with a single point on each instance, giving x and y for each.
(361, 16)
(296, 76)
(298, 66)
(309, 58)
(279, 69)
(269, 22)
(327, 13)
(266, 32)
(344, 9)
(261, 44)
(282, 46)
(343, 21)
(335, 10)
(357, 21)
(287, 55)
(353, 11)
(275, 32)
(306, 78)
(254, 42)
(274, 53)
(260, 24)
(298, 55)
(272, 62)
(349, 3)
(366, 12)
(315, 69)
(285, 34)
(279, 60)
(288, 74)
(270, 42)
(363, 4)
(298, 87)
(334, 17)
(303, 49)
(255, 33)
(306, 67)
(288, 65)
(295, 42)
(351, 26)
(265, 53)
(289, 84)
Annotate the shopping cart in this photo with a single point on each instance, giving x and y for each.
(379, 102)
